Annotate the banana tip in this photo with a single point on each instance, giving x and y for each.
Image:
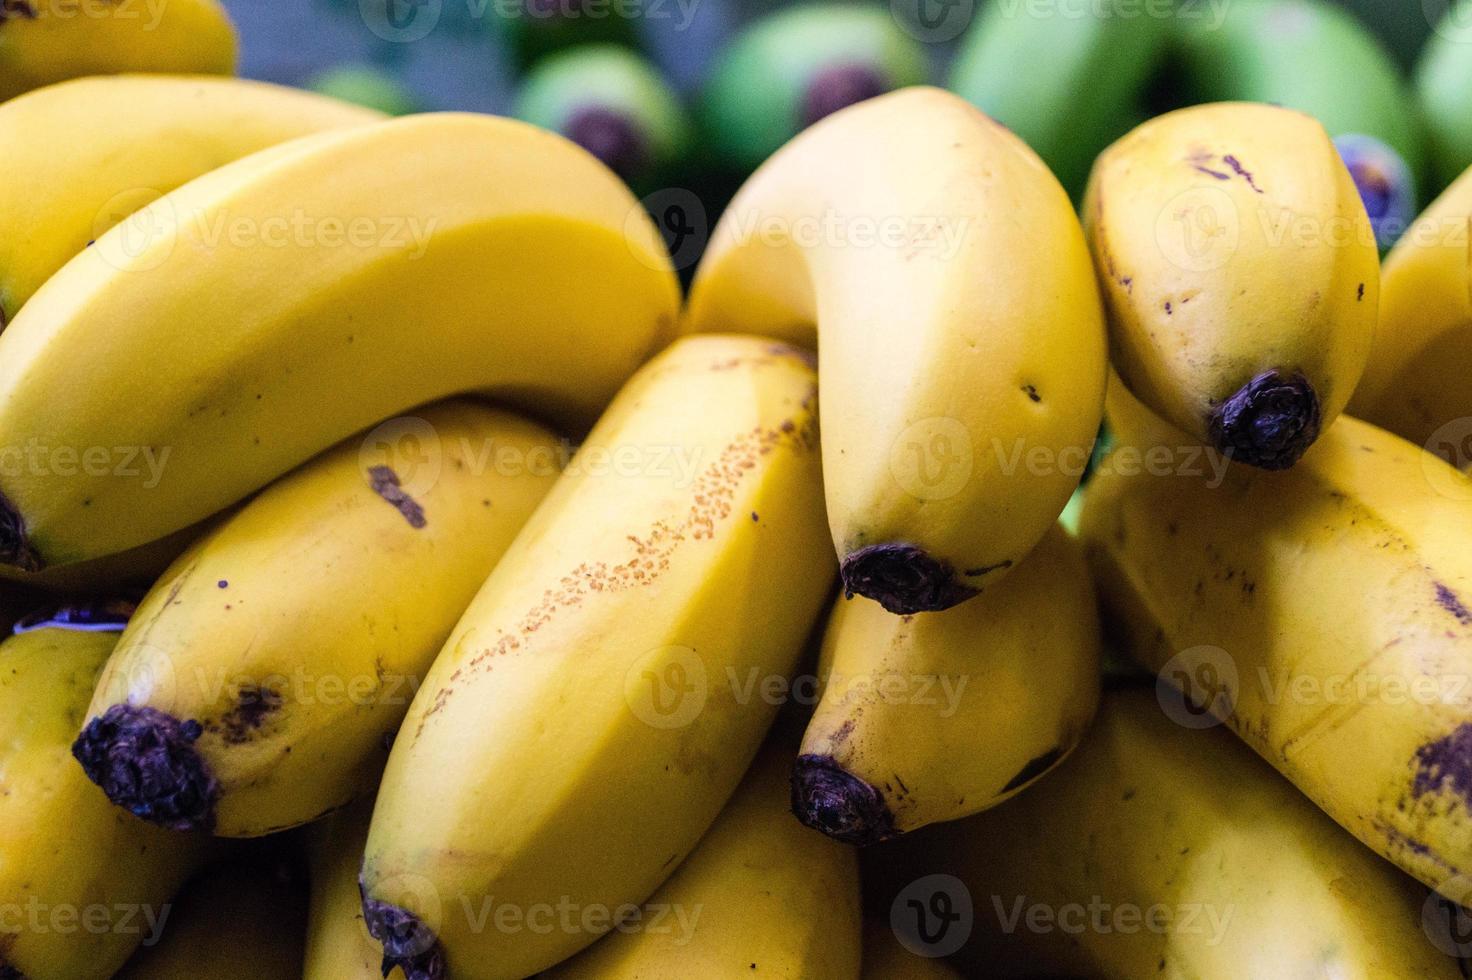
(15, 544)
(8, 972)
(903, 579)
(829, 798)
(407, 942)
(1269, 423)
(145, 761)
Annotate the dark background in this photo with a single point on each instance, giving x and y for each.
(463, 62)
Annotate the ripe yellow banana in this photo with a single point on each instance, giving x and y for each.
(129, 140)
(759, 897)
(961, 337)
(605, 691)
(1240, 275)
(248, 320)
(933, 717)
(338, 944)
(1322, 611)
(886, 959)
(262, 673)
(1416, 382)
(1157, 851)
(81, 882)
(47, 41)
(240, 921)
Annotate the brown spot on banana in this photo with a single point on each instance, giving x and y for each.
(385, 483)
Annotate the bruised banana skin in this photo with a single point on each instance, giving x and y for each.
(338, 944)
(1415, 383)
(488, 257)
(64, 845)
(759, 889)
(47, 41)
(1226, 590)
(238, 921)
(586, 720)
(1239, 272)
(934, 717)
(1244, 876)
(129, 140)
(262, 673)
(949, 351)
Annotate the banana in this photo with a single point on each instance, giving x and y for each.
(1442, 78)
(962, 349)
(886, 959)
(760, 896)
(366, 85)
(46, 41)
(1157, 851)
(1322, 612)
(287, 300)
(129, 139)
(931, 718)
(1240, 275)
(338, 944)
(81, 882)
(596, 706)
(262, 673)
(1063, 79)
(1415, 382)
(240, 921)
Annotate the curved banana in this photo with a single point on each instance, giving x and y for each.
(959, 343)
(262, 673)
(594, 708)
(240, 921)
(1415, 382)
(930, 718)
(338, 944)
(46, 41)
(248, 320)
(886, 959)
(760, 896)
(81, 882)
(1157, 851)
(1322, 611)
(129, 139)
(1240, 275)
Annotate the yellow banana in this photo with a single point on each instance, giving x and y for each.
(604, 693)
(962, 342)
(933, 717)
(46, 41)
(338, 944)
(293, 297)
(1323, 612)
(239, 921)
(1240, 275)
(1157, 851)
(1416, 382)
(129, 139)
(759, 897)
(886, 959)
(81, 882)
(262, 673)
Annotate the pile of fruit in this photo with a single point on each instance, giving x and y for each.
(404, 576)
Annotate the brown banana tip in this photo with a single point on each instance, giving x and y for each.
(617, 140)
(407, 942)
(15, 544)
(1269, 423)
(146, 763)
(829, 798)
(903, 579)
(840, 86)
(8, 972)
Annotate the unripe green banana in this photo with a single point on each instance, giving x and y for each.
(81, 882)
(1443, 81)
(793, 67)
(1066, 80)
(1240, 275)
(367, 86)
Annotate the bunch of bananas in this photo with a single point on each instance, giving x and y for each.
(404, 577)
